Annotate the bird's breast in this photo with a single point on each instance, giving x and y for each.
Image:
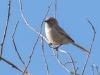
(54, 36)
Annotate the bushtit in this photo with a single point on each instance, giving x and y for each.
(57, 36)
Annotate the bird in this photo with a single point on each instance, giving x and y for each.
(57, 36)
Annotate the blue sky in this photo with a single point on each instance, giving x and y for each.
(71, 16)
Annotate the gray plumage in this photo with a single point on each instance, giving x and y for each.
(56, 35)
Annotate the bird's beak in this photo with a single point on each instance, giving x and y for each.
(45, 21)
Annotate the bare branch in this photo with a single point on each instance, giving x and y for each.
(69, 62)
(15, 45)
(5, 31)
(46, 64)
(8, 62)
(90, 46)
(55, 8)
(14, 66)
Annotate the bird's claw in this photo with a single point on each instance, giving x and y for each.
(50, 45)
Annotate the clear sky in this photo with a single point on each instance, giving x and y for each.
(71, 16)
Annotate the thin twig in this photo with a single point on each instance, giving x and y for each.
(30, 56)
(15, 45)
(45, 18)
(46, 64)
(5, 31)
(69, 62)
(96, 68)
(90, 46)
(92, 69)
(55, 8)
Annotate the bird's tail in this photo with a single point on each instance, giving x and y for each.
(84, 50)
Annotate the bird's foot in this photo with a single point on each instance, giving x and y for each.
(51, 45)
(57, 47)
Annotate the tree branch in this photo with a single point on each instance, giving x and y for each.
(90, 46)
(5, 31)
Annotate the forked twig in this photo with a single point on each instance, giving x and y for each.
(17, 50)
(15, 45)
(5, 31)
(90, 46)
(94, 65)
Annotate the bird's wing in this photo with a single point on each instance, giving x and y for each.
(62, 32)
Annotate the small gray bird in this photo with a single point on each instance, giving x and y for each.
(56, 35)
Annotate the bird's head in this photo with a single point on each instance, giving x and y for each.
(51, 21)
